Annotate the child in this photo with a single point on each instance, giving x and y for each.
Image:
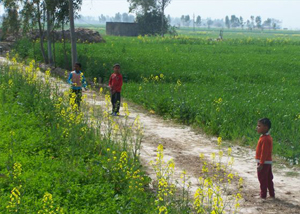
(115, 85)
(77, 81)
(264, 158)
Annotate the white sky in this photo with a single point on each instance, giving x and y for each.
(287, 11)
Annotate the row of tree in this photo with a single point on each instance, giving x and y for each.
(124, 17)
(232, 22)
(254, 22)
(23, 16)
(187, 20)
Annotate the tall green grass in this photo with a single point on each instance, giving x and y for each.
(50, 162)
(223, 87)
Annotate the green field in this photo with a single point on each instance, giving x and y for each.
(223, 87)
(56, 159)
(51, 161)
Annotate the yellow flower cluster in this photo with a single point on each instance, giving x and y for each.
(214, 184)
(164, 174)
(48, 207)
(218, 103)
(126, 110)
(154, 78)
(17, 170)
(15, 200)
(178, 85)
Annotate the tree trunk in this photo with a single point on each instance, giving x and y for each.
(162, 19)
(64, 46)
(50, 58)
(41, 33)
(53, 44)
(72, 33)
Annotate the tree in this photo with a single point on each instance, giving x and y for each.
(248, 23)
(150, 23)
(258, 21)
(148, 10)
(102, 18)
(267, 23)
(36, 13)
(141, 6)
(125, 17)
(27, 17)
(227, 22)
(169, 19)
(235, 22)
(72, 33)
(187, 20)
(118, 17)
(198, 21)
(252, 21)
(242, 22)
(11, 20)
(209, 22)
(131, 18)
(182, 20)
(162, 4)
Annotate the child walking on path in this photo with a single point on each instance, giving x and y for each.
(264, 158)
(115, 85)
(77, 81)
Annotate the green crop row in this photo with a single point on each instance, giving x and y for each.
(222, 86)
(52, 162)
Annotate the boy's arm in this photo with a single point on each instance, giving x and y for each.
(110, 82)
(84, 83)
(121, 82)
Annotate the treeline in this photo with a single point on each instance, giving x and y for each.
(119, 17)
(45, 16)
(102, 19)
(232, 21)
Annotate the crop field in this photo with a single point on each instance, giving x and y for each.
(57, 159)
(223, 87)
(51, 161)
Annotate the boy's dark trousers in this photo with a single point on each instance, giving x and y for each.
(78, 93)
(265, 177)
(116, 101)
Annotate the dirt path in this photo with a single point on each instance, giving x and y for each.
(184, 145)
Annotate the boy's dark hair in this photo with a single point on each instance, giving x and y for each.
(117, 64)
(78, 63)
(265, 121)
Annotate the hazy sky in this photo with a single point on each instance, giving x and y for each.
(287, 11)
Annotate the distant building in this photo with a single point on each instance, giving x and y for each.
(122, 29)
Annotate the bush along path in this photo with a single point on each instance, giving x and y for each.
(51, 161)
(211, 178)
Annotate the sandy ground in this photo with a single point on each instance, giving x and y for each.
(183, 145)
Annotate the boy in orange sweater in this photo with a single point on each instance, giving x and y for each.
(264, 158)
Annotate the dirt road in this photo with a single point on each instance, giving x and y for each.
(184, 145)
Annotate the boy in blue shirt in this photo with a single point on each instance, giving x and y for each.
(77, 81)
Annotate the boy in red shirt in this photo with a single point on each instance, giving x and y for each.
(264, 158)
(115, 85)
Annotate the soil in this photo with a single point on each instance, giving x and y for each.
(184, 144)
